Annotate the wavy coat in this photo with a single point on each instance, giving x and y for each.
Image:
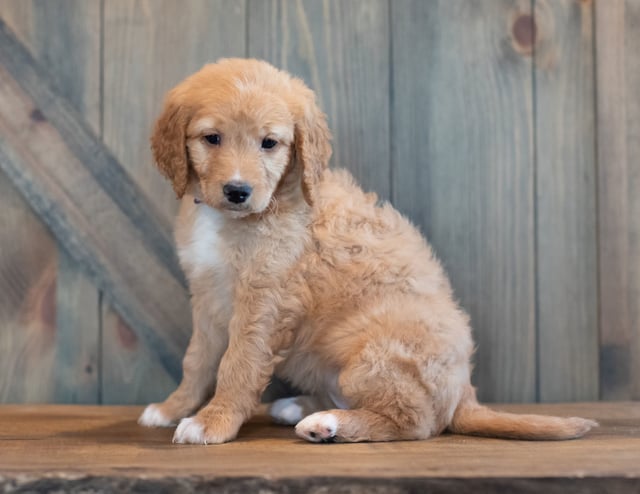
(303, 275)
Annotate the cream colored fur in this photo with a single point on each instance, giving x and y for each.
(310, 279)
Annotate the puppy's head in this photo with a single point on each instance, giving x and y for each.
(231, 133)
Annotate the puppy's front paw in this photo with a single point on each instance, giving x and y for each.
(194, 430)
(153, 417)
(318, 427)
(189, 431)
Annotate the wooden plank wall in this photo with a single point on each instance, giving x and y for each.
(463, 169)
(56, 351)
(505, 129)
(566, 241)
(618, 105)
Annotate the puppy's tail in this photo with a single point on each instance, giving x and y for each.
(474, 419)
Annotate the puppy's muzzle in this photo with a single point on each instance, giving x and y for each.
(237, 192)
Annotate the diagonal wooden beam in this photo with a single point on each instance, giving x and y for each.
(90, 204)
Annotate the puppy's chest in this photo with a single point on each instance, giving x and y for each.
(201, 250)
(220, 253)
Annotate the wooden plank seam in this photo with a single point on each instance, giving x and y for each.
(110, 177)
(106, 169)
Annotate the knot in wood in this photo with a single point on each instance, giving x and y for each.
(524, 33)
(37, 116)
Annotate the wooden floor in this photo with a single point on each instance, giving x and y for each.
(45, 448)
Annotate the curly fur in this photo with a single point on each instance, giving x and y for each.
(310, 279)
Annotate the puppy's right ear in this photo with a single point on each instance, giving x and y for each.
(168, 144)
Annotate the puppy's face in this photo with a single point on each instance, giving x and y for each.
(233, 131)
(239, 148)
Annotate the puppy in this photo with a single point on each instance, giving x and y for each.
(294, 271)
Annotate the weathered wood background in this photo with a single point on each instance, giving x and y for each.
(508, 130)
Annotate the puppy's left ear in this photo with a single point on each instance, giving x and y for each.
(312, 141)
(168, 144)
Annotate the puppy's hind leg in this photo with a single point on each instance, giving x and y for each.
(348, 426)
(388, 404)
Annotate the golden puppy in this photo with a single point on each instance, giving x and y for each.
(294, 271)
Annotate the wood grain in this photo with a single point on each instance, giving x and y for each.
(566, 250)
(52, 169)
(462, 131)
(86, 447)
(618, 105)
(341, 50)
(27, 305)
(77, 345)
(62, 35)
(132, 372)
(27, 256)
(96, 158)
(149, 46)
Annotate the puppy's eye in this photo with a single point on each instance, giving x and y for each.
(268, 143)
(213, 139)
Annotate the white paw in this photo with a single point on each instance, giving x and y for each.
(189, 431)
(318, 427)
(153, 417)
(286, 411)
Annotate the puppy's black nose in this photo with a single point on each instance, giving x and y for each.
(237, 192)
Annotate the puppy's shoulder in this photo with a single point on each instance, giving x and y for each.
(338, 187)
(342, 200)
